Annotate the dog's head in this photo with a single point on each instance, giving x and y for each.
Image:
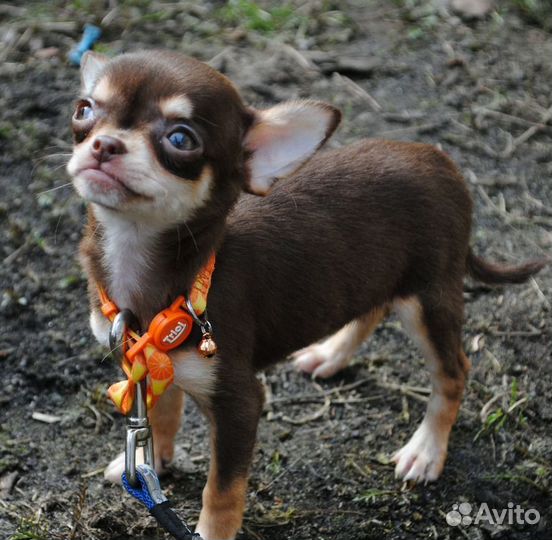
(159, 135)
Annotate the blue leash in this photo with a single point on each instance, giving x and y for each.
(150, 495)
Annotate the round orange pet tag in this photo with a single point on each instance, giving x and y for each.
(170, 328)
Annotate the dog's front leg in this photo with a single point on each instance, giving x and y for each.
(234, 415)
(165, 419)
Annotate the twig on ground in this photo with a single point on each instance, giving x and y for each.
(405, 409)
(285, 471)
(539, 292)
(494, 360)
(358, 468)
(97, 415)
(78, 510)
(251, 532)
(330, 391)
(356, 90)
(22, 40)
(415, 392)
(267, 392)
(18, 251)
(63, 27)
(90, 474)
(511, 219)
(301, 59)
(527, 134)
(352, 401)
(422, 128)
(314, 416)
(46, 418)
(470, 144)
(484, 413)
(510, 118)
(7, 482)
(516, 333)
(515, 405)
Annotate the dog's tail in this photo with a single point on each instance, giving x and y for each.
(496, 274)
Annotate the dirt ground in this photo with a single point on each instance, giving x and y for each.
(402, 70)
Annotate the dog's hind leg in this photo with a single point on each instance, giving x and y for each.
(335, 352)
(436, 328)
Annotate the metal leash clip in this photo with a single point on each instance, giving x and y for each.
(138, 430)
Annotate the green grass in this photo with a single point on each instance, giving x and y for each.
(533, 8)
(372, 495)
(6, 130)
(537, 12)
(540, 480)
(275, 465)
(422, 16)
(501, 417)
(31, 529)
(250, 15)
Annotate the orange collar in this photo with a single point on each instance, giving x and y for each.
(145, 355)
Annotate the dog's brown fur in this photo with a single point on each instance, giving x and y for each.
(352, 233)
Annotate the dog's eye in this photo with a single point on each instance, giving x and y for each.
(182, 139)
(84, 111)
(83, 119)
(181, 143)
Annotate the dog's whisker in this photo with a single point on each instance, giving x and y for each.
(111, 352)
(178, 239)
(53, 189)
(57, 227)
(192, 237)
(52, 156)
(38, 162)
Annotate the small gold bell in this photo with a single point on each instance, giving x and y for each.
(207, 346)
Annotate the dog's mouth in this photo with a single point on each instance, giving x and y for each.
(104, 185)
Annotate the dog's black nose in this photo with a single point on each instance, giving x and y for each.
(105, 147)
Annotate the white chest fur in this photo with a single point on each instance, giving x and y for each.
(193, 373)
(100, 327)
(127, 251)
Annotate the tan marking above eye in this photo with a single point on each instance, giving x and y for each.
(103, 91)
(176, 107)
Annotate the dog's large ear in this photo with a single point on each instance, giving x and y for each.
(92, 63)
(283, 137)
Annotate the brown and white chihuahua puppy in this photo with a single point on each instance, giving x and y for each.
(165, 147)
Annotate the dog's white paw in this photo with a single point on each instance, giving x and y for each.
(320, 360)
(422, 459)
(114, 471)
